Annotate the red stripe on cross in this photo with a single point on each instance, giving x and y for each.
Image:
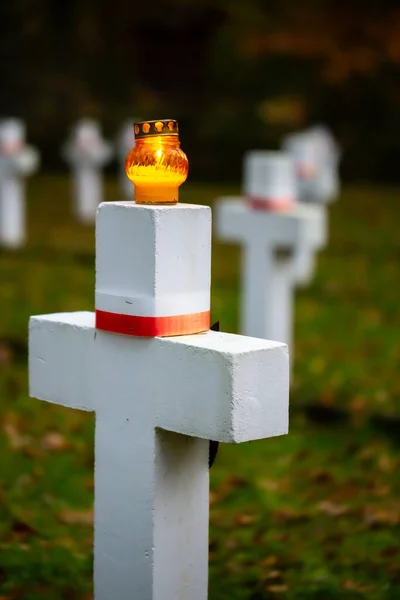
(153, 326)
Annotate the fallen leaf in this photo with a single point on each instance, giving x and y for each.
(290, 515)
(345, 492)
(332, 509)
(76, 517)
(213, 497)
(277, 589)
(358, 404)
(269, 485)
(269, 561)
(234, 482)
(24, 547)
(6, 357)
(226, 487)
(15, 438)
(54, 441)
(378, 516)
(273, 575)
(89, 484)
(382, 490)
(244, 519)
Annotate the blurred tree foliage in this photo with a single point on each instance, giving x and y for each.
(237, 73)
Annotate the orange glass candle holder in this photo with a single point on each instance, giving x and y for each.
(156, 165)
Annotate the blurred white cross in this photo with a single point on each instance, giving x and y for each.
(279, 238)
(17, 160)
(86, 153)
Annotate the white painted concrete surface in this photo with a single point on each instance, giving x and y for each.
(153, 261)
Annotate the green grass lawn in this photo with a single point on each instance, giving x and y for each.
(311, 515)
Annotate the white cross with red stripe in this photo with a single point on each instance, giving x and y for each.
(158, 400)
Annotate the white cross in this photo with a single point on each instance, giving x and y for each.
(86, 153)
(17, 160)
(316, 156)
(278, 247)
(158, 400)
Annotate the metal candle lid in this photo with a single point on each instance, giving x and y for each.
(145, 129)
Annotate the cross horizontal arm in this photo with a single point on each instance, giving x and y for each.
(212, 385)
(301, 227)
(217, 386)
(58, 358)
(230, 388)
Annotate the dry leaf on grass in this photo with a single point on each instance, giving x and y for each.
(269, 485)
(390, 515)
(244, 519)
(291, 515)
(76, 517)
(273, 575)
(231, 544)
(6, 356)
(277, 588)
(332, 509)
(213, 497)
(269, 561)
(54, 441)
(226, 487)
(15, 438)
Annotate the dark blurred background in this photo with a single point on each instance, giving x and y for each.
(238, 74)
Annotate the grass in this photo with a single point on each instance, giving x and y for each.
(311, 515)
